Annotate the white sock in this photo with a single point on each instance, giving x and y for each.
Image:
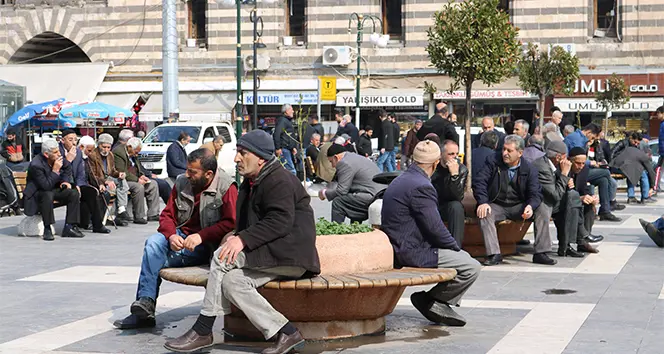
(121, 209)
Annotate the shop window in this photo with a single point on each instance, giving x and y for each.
(605, 18)
(392, 19)
(6, 2)
(504, 5)
(197, 21)
(296, 20)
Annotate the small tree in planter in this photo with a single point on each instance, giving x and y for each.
(615, 95)
(544, 74)
(472, 41)
(324, 227)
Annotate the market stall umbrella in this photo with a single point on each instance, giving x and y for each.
(27, 113)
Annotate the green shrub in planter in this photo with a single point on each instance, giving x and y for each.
(324, 227)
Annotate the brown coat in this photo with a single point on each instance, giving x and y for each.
(95, 170)
(411, 142)
(210, 146)
(110, 162)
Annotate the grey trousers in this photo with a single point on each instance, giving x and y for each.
(500, 213)
(232, 283)
(142, 194)
(568, 218)
(122, 187)
(353, 206)
(468, 269)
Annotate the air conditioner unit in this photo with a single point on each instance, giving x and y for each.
(263, 62)
(338, 55)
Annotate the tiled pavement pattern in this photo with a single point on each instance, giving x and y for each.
(61, 297)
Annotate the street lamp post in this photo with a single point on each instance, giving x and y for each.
(376, 39)
(258, 33)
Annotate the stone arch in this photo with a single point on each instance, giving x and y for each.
(49, 48)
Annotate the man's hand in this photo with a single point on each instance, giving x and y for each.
(79, 191)
(177, 242)
(651, 192)
(565, 167)
(154, 176)
(143, 180)
(587, 199)
(321, 194)
(483, 211)
(229, 234)
(596, 199)
(65, 184)
(230, 249)
(122, 175)
(382, 151)
(192, 241)
(571, 184)
(111, 185)
(102, 188)
(294, 151)
(453, 167)
(277, 152)
(57, 165)
(593, 163)
(527, 212)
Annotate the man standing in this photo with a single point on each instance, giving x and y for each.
(364, 146)
(487, 126)
(285, 140)
(176, 157)
(557, 118)
(215, 145)
(274, 238)
(347, 127)
(48, 180)
(116, 184)
(508, 189)
(419, 238)
(450, 182)
(411, 142)
(141, 187)
(440, 125)
(660, 117)
(355, 189)
(11, 150)
(386, 144)
(200, 210)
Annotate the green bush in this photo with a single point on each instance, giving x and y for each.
(324, 227)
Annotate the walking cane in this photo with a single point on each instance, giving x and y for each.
(107, 208)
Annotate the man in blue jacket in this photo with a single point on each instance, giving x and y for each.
(419, 238)
(509, 189)
(176, 157)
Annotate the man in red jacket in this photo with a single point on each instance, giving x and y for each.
(202, 187)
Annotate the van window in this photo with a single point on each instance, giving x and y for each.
(170, 134)
(209, 133)
(225, 134)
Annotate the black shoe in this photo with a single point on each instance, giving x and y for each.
(133, 322)
(594, 238)
(609, 217)
(140, 221)
(542, 258)
(153, 218)
(570, 252)
(632, 200)
(654, 234)
(286, 343)
(103, 230)
(124, 216)
(493, 260)
(18, 212)
(143, 307)
(523, 242)
(72, 231)
(48, 235)
(585, 247)
(435, 311)
(616, 206)
(118, 222)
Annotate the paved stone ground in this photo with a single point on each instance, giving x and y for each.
(61, 297)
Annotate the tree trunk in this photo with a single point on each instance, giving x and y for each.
(540, 107)
(467, 145)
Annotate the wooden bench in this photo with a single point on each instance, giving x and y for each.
(618, 176)
(326, 306)
(509, 233)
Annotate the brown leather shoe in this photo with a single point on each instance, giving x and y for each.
(189, 342)
(585, 247)
(286, 343)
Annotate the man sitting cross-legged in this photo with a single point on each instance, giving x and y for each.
(200, 210)
(411, 220)
(508, 188)
(275, 238)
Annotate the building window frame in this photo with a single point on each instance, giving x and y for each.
(198, 10)
(292, 12)
(396, 36)
(600, 19)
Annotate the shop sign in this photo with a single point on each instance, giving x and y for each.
(484, 94)
(600, 85)
(276, 98)
(636, 104)
(382, 99)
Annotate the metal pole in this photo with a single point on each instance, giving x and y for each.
(238, 79)
(169, 58)
(254, 19)
(318, 105)
(357, 78)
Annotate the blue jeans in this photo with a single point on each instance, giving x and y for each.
(286, 159)
(645, 187)
(659, 224)
(157, 254)
(385, 161)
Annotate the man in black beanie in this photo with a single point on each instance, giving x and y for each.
(274, 238)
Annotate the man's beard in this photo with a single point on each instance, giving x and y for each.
(198, 184)
(103, 153)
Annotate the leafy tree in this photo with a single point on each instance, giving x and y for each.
(543, 74)
(615, 95)
(472, 41)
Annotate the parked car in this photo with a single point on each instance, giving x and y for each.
(654, 148)
(157, 141)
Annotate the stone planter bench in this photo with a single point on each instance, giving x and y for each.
(357, 288)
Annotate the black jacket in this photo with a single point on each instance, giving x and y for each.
(349, 129)
(386, 139)
(176, 160)
(284, 134)
(441, 126)
(41, 178)
(486, 186)
(449, 188)
(275, 221)
(364, 146)
(477, 139)
(619, 148)
(554, 184)
(311, 130)
(397, 134)
(480, 157)
(581, 180)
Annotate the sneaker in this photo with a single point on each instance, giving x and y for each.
(632, 200)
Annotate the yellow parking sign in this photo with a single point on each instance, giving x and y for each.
(328, 88)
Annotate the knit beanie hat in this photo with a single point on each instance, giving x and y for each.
(576, 151)
(426, 151)
(433, 137)
(335, 149)
(259, 143)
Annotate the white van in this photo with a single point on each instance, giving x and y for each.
(155, 144)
